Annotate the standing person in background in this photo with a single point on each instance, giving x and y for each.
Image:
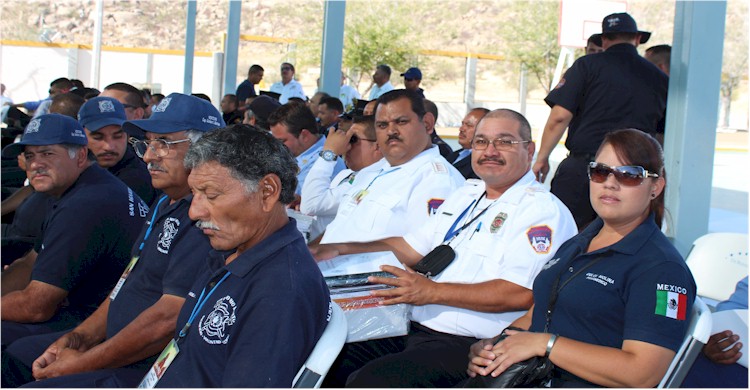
(382, 80)
(246, 89)
(288, 87)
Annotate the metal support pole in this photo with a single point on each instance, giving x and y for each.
(96, 56)
(470, 84)
(333, 45)
(231, 50)
(690, 134)
(187, 82)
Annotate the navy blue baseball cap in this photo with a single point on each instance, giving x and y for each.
(100, 112)
(412, 73)
(48, 129)
(622, 22)
(177, 112)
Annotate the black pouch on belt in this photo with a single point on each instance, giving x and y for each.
(436, 261)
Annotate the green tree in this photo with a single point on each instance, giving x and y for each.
(530, 33)
(734, 65)
(376, 33)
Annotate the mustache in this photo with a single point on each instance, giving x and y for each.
(152, 166)
(38, 172)
(393, 136)
(206, 225)
(495, 159)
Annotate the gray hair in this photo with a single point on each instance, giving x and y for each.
(74, 148)
(249, 154)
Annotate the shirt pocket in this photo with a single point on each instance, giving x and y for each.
(377, 214)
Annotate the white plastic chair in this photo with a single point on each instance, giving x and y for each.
(316, 366)
(718, 261)
(699, 330)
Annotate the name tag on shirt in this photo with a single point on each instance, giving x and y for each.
(160, 366)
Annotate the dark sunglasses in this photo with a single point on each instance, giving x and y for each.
(627, 175)
(408, 79)
(356, 139)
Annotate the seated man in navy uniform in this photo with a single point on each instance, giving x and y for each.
(86, 238)
(102, 118)
(139, 317)
(461, 159)
(255, 312)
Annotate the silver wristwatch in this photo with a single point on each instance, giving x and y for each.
(328, 155)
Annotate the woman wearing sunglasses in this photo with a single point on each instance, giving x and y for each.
(613, 304)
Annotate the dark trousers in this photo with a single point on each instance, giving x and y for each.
(12, 331)
(571, 186)
(112, 377)
(705, 373)
(424, 358)
(19, 355)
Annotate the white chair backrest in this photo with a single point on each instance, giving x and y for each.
(316, 366)
(698, 332)
(718, 261)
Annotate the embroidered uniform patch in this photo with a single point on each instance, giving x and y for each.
(439, 168)
(498, 222)
(106, 106)
(433, 204)
(671, 301)
(560, 84)
(169, 231)
(540, 238)
(213, 327)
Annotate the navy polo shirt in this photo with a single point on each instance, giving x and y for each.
(607, 91)
(616, 298)
(174, 250)
(86, 242)
(260, 324)
(134, 173)
(245, 90)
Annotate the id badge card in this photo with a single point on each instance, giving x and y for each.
(359, 196)
(124, 277)
(160, 366)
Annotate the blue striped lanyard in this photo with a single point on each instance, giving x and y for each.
(381, 174)
(151, 223)
(453, 232)
(202, 300)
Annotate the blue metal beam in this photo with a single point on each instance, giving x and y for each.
(231, 48)
(333, 46)
(692, 116)
(187, 83)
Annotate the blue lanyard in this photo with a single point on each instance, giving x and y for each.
(202, 301)
(453, 232)
(381, 174)
(151, 223)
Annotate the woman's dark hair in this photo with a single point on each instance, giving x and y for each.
(634, 147)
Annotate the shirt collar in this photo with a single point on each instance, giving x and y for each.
(417, 160)
(312, 151)
(629, 245)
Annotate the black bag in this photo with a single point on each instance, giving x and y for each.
(531, 372)
(436, 261)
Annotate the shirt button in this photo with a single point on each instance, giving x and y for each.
(570, 269)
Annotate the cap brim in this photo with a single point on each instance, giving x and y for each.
(645, 36)
(13, 150)
(138, 127)
(104, 122)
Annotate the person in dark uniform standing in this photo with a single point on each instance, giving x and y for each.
(102, 118)
(598, 94)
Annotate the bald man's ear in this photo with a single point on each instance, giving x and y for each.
(429, 122)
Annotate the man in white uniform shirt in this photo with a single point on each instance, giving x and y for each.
(382, 80)
(502, 229)
(288, 87)
(408, 184)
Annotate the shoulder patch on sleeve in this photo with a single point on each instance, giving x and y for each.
(433, 204)
(671, 301)
(439, 167)
(540, 238)
(560, 84)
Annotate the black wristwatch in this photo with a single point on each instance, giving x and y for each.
(328, 155)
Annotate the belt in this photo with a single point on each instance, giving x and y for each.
(582, 156)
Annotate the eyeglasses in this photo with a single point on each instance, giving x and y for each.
(498, 143)
(356, 139)
(628, 175)
(159, 146)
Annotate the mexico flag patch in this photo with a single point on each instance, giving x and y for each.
(672, 304)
